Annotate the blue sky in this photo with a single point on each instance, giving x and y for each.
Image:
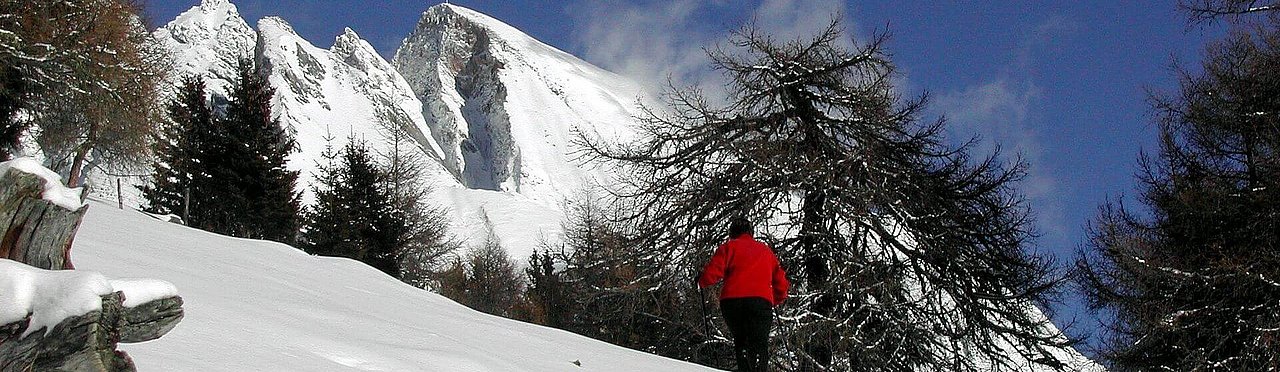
(1063, 83)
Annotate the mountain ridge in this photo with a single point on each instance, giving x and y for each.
(499, 132)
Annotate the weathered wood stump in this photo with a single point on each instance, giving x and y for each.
(37, 231)
(88, 342)
(39, 219)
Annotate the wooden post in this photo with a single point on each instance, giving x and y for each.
(119, 195)
(186, 206)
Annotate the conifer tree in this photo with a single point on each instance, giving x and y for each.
(179, 151)
(327, 229)
(907, 253)
(353, 214)
(252, 191)
(1194, 285)
(493, 285)
(485, 280)
(13, 93)
(547, 292)
(423, 241)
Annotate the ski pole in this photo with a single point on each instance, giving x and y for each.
(702, 299)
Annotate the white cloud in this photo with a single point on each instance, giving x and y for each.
(794, 19)
(647, 42)
(996, 111)
(1000, 111)
(650, 41)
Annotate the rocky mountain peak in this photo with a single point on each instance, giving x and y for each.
(276, 24)
(348, 36)
(505, 106)
(206, 23)
(212, 4)
(494, 109)
(356, 51)
(208, 40)
(458, 17)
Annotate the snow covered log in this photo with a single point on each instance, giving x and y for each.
(38, 215)
(79, 343)
(73, 321)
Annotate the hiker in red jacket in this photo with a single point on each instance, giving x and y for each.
(753, 284)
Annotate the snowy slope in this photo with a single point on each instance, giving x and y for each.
(254, 305)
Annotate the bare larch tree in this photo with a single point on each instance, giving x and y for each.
(909, 253)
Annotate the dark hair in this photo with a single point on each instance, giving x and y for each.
(739, 226)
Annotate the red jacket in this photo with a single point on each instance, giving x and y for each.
(749, 269)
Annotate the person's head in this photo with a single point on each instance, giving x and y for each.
(739, 226)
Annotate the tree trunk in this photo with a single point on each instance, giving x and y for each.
(76, 176)
(37, 232)
(816, 253)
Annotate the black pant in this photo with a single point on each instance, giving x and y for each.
(749, 320)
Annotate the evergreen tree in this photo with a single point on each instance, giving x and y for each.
(179, 151)
(1195, 284)
(13, 92)
(547, 294)
(375, 211)
(328, 230)
(353, 214)
(908, 254)
(250, 192)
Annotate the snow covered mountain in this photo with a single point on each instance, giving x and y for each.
(253, 305)
(208, 40)
(505, 107)
(336, 93)
(497, 110)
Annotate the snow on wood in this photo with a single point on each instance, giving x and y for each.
(53, 190)
(38, 216)
(50, 296)
(141, 291)
(47, 296)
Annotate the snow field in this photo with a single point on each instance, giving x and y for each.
(256, 305)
